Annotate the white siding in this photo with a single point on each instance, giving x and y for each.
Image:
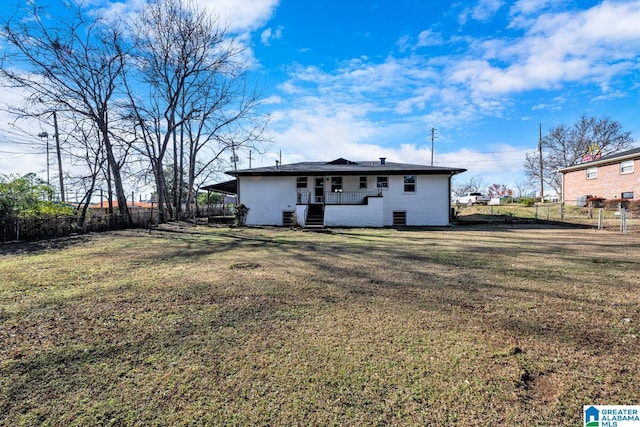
(429, 205)
(301, 214)
(369, 215)
(267, 198)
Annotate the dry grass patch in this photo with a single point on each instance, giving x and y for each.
(355, 327)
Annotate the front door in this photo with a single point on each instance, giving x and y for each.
(319, 190)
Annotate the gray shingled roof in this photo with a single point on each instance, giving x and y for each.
(347, 167)
(610, 158)
(621, 154)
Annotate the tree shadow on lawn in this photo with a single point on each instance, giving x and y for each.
(56, 370)
(413, 278)
(472, 291)
(34, 247)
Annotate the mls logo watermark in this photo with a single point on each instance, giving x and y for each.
(611, 415)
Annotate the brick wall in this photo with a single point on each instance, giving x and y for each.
(609, 183)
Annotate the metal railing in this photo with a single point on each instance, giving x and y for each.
(338, 197)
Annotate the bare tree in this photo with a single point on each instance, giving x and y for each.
(227, 124)
(86, 152)
(522, 187)
(565, 146)
(189, 93)
(72, 65)
(473, 185)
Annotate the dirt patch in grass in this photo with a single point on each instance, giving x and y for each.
(511, 324)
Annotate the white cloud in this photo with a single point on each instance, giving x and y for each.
(417, 102)
(429, 38)
(426, 38)
(337, 130)
(242, 15)
(482, 11)
(501, 165)
(273, 99)
(523, 11)
(269, 34)
(527, 7)
(486, 9)
(21, 150)
(558, 48)
(239, 15)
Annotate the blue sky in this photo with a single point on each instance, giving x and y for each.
(367, 79)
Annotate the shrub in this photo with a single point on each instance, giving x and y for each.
(613, 204)
(527, 201)
(240, 215)
(596, 202)
(634, 206)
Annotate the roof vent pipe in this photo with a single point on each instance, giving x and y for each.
(383, 160)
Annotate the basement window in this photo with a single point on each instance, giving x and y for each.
(592, 173)
(399, 218)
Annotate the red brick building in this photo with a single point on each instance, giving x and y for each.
(616, 176)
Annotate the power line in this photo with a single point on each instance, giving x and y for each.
(478, 161)
(18, 153)
(500, 152)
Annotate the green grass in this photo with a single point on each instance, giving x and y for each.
(516, 325)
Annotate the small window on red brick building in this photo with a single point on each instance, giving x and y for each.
(626, 166)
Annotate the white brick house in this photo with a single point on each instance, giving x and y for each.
(344, 193)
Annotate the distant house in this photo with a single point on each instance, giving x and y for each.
(345, 193)
(616, 176)
(102, 208)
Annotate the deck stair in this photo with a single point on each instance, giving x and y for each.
(315, 216)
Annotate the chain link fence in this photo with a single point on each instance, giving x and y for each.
(624, 217)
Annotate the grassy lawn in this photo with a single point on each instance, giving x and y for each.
(548, 212)
(519, 325)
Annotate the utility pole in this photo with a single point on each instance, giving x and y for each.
(541, 166)
(249, 159)
(433, 137)
(57, 136)
(46, 135)
(234, 158)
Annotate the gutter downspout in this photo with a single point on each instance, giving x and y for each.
(451, 215)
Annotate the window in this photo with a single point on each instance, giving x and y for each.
(382, 182)
(626, 166)
(363, 182)
(336, 183)
(409, 183)
(627, 195)
(592, 173)
(301, 182)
